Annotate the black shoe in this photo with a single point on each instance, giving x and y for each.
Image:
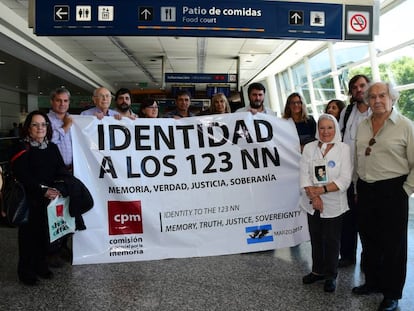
(343, 262)
(329, 286)
(388, 305)
(312, 278)
(28, 280)
(365, 290)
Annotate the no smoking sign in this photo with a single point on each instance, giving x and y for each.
(358, 23)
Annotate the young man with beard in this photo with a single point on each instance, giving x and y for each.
(256, 93)
(123, 104)
(350, 118)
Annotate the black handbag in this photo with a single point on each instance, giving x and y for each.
(15, 202)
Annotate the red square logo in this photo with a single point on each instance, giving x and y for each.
(59, 210)
(124, 217)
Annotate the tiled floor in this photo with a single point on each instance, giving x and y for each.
(257, 281)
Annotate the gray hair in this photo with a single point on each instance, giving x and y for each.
(392, 92)
(58, 91)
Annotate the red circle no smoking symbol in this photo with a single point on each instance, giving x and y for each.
(358, 22)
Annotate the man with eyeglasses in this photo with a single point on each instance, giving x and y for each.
(350, 118)
(102, 99)
(123, 104)
(384, 164)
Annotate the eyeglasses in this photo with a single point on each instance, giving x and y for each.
(39, 125)
(370, 144)
(296, 103)
(104, 96)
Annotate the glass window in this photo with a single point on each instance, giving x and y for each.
(405, 103)
(397, 64)
(285, 82)
(399, 70)
(346, 53)
(304, 90)
(396, 26)
(363, 68)
(299, 75)
(320, 64)
(324, 89)
(284, 88)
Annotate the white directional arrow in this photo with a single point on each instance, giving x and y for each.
(146, 13)
(296, 17)
(59, 13)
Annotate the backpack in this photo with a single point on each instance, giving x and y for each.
(346, 117)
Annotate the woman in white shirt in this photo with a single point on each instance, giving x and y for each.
(325, 200)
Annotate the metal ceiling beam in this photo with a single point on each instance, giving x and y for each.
(117, 42)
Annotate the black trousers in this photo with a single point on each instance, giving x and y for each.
(349, 236)
(382, 222)
(33, 239)
(325, 235)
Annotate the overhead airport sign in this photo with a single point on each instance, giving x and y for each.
(254, 19)
(200, 78)
(243, 18)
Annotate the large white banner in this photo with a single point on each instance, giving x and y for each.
(200, 186)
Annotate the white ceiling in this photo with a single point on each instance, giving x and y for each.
(132, 62)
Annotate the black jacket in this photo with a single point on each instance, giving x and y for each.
(81, 199)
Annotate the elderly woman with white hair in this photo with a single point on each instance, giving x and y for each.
(325, 199)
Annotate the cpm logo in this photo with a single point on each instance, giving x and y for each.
(124, 217)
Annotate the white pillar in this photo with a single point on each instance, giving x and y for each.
(311, 89)
(374, 62)
(271, 94)
(334, 71)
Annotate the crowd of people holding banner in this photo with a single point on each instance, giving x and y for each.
(365, 150)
